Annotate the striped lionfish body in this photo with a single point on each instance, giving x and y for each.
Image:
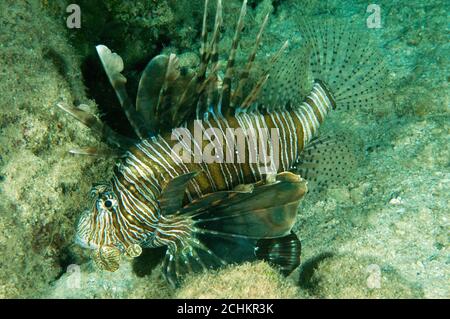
(155, 158)
(213, 175)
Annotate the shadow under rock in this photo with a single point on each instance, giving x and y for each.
(148, 260)
(308, 269)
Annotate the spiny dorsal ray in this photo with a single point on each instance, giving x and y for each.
(263, 79)
(237, 94)
(226, 88)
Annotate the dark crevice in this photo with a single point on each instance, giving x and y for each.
(100, 90)
(276, 4)
(148, 260)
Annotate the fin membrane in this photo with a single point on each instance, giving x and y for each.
(98, 127)
(172, 197)
(269, 211)
(160, 88)
(328, 161)
(346, 57)
(150, 84)
(107, 258)
(290, 81)
(113, 66)
(230, 227)
(283, 252)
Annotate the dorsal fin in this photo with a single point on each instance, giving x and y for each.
(113, 65)
(211, 82)
(160, 88)
(254, 93)
(169, 101)
(237, 94)
(224, 102)
(166, 98)
(150, 85)
(203, 48)
(290, 81)
(192, 102)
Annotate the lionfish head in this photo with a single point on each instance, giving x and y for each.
(95, 227)
(96, 230)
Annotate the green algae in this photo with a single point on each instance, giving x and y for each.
(393, 216)
(261, 281)
(41, 186)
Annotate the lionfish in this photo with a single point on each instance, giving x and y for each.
(212, 213)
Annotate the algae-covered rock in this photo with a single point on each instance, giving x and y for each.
(257, 280)
(41, 186)
(88, 281)
(139, 29)
(349, 276)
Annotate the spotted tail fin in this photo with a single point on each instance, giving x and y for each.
(347, 60)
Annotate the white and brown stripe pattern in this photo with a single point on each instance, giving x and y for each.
(147, 166)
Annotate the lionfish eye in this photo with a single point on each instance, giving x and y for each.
(109, 203)
(109, 200)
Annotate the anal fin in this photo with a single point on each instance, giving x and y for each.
(328, 161)
(283, 252)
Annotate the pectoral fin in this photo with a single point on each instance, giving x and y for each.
(245, 224)
(113, 65)
(268, 211)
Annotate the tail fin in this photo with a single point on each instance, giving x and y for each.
(347, 60)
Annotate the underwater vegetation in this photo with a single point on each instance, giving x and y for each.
(380, 229)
